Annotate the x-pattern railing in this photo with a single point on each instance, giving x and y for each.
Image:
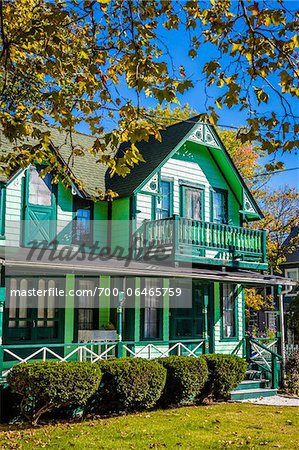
(95, 351)
(153, 349)
(45, 353)
(262, 353)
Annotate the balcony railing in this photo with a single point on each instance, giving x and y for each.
(201, 241)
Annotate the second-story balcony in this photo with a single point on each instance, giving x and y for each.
(189, 240)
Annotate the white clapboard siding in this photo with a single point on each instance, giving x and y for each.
(197, 168)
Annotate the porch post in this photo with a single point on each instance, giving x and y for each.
(166, 310)
(280, 321)
(281, 329)
(69, 311)
(2, 303)
(205, 318)
(137, 311)
(104, 301)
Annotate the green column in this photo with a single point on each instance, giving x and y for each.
(166, 283)
(69, 316)
(205, 317)
(104, 301)
(137, 311)
(216, 323)
(1, 340)
(2, 303)
(244, 322)
(69, 309)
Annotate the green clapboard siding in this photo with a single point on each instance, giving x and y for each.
(120, 223)
(100, 223)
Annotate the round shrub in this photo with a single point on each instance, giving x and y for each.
(186, 376)
(225, 373)
(45, 386)
(292, 373)
(128, 385)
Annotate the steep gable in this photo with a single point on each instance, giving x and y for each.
(173, 138)
(84, 168)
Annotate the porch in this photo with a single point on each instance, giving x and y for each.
(190, 240)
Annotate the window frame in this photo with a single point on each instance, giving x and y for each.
(159, 314)
(224, 192)
(2, 210)
(53, 190)
(234, 310)
(171, 185)
(196, 187)
(94, 309)
(74, 227)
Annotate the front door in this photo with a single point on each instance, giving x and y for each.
(40, 208)
(187, 323)
(30, 318)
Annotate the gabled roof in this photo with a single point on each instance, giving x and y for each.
(294, 256)
(84, 168)
(154, 152)
(173, 137)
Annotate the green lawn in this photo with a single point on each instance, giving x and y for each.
(217, 426)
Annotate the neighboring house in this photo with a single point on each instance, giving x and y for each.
(188, 203)
(290, 269)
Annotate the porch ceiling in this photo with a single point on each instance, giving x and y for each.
(113, 266)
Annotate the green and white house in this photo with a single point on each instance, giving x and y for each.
(182, 217)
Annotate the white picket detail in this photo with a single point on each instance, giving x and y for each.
(260, 353)
(84, 354)
(150, 348)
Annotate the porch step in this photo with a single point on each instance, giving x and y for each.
(245, 394)
(252, 384)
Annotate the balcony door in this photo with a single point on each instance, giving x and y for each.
(192, 202)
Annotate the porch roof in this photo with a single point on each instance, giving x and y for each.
(116, 266)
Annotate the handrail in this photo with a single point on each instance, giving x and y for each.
(271, 366)
(84, 344)
(264, 347)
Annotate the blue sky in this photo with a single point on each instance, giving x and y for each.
(178, 45)
(231, 117)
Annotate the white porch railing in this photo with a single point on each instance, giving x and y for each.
(94, 351)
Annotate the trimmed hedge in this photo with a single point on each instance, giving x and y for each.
(128, 385)
(292, 373)
(45, 386)
(225, 373)
(186, 377)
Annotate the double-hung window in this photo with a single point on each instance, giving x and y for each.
(164, 201)
(220, 212)
(228, 301)
(82, 231)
